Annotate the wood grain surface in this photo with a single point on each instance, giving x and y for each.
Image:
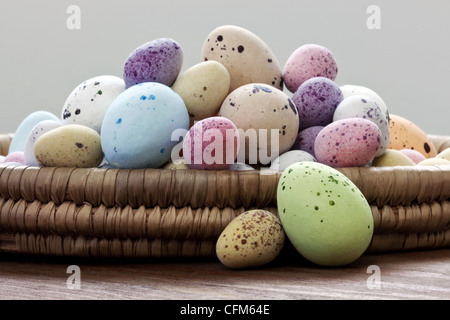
(406, 276)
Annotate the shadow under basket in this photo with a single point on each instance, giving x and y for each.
(150, 213)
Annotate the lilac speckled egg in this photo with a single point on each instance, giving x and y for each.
(316, 100)
(211, 144)
(309, 61)
(360, 106)
(159, 60)
(15, 157)
(306, 138)
(348, 143)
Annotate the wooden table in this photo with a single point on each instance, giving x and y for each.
(407, 275)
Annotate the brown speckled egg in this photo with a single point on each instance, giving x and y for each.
(404, 134)
(266, 116)
(252, 239)
(247, 57)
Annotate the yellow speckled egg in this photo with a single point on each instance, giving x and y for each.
(403, 134)
(252, 239)
(444, 154)
(71, 145)
(203, 88)
(392, 158)
(434, 162)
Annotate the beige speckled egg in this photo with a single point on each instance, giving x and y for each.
(247, 57)
(268, 119)
(252, 239)
(175, 165)
(69, 146)
(392, 158)
(404, 134)
(434, 162)
(203, 88)
(444, 154)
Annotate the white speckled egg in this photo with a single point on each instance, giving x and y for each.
(247, 57)
(267, 119)
(203, 88)
(291, 157)
(325, 216)
(252, 239)
(38, 130)
(350, 90)
(22, 132)
(434, 162)
(444, 154)
(359, 106)
(88, 102)
(238, 166)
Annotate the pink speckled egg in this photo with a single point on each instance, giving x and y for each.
(211, 144)
(306, 62)
(414, 155)
(349, 142)
(16, 157)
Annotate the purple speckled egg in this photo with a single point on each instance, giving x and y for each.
(211, 144)
(348, 143)
(308, 61)
(316, 101)
(306, 138)
(159, 60)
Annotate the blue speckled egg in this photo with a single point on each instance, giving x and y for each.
(23, 130)
(137, 128)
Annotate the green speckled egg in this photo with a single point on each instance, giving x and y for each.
(325, 216)
(252, 239)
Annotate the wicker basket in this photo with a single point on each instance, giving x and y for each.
(180, 213)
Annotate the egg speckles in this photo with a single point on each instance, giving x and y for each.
(324, 215)
(349, 142)
(404, 134)
(252, 239)
(247, 58)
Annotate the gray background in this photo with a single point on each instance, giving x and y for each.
(407, 61)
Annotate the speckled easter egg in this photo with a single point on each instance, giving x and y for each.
(316, 100)
(238, 166)
(72, 145)
(444, 154)
(138, 128)
(88, 102)
(358, 106)
(23, 130)
(252, 239)
(37, 131)
(175, 165)
(211, 144)
(404, 134)
(203, 88)
(291, 157)
(434, 162)
(16, 157)
(325, 216)
(350, 90)
(247, 57)
(306, 62)
(159, 60)
(392, 158)
(306, 139)
(348, 143)
(414, 155)
(267, 119)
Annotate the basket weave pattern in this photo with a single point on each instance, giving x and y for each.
(180, 213)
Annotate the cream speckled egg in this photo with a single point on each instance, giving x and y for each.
(247, 58)
(392, 158)
(203, 87)
(444, 154)
(71, 145)
(252, 239)
(267, 119)
(434, 162)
